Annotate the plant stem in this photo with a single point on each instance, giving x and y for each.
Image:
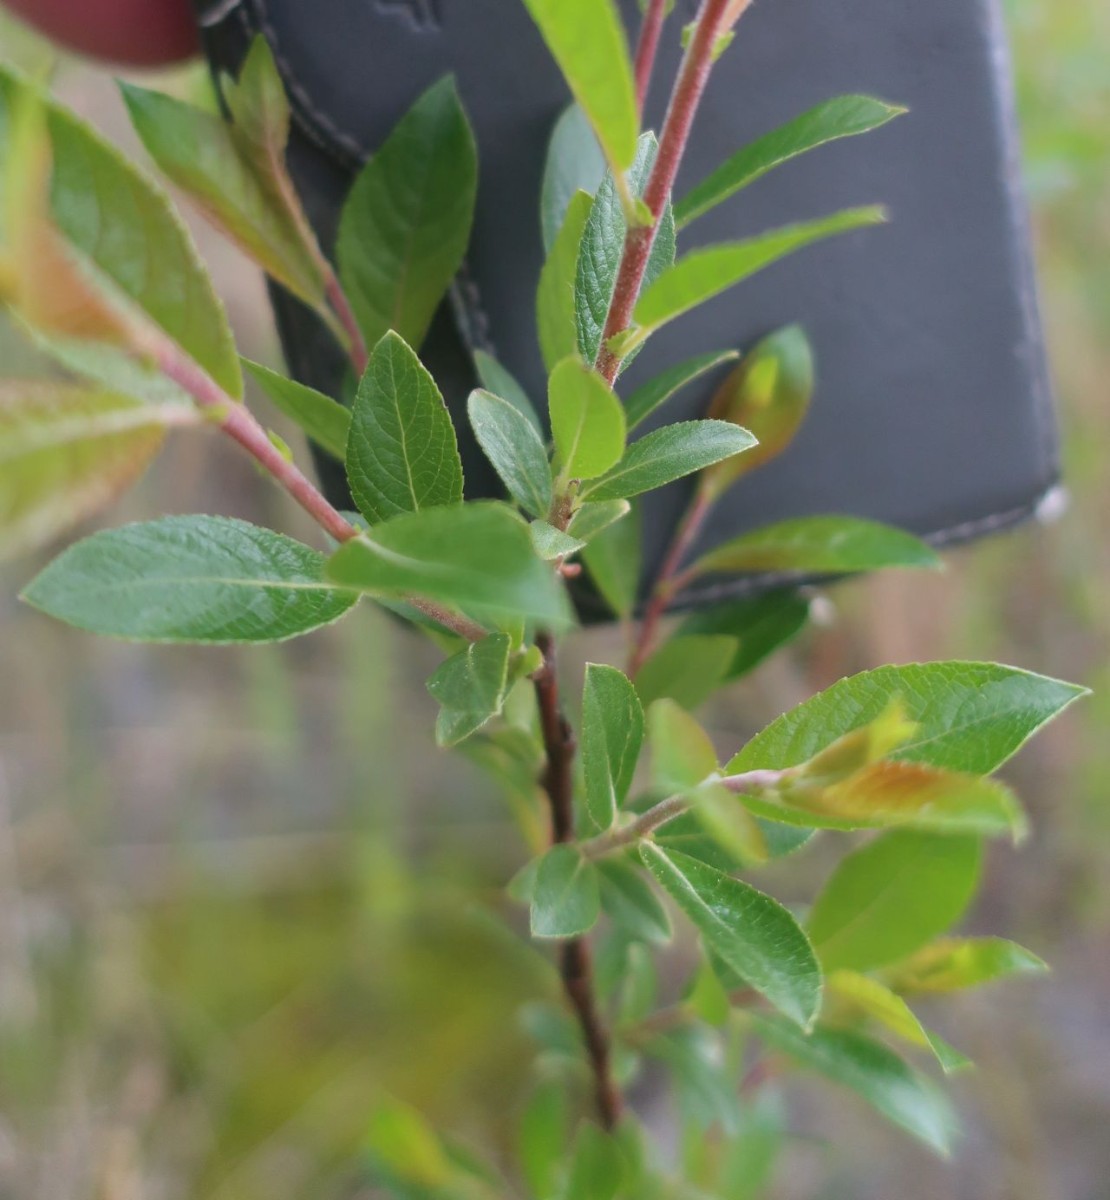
(341, 306)
(648, 46)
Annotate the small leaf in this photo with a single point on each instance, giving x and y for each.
(406, 221)
(591, 519)
(190, 579)
(843, 116)
(953, 964)
(574, 164)
(612, 734)
(873, 1072)
(587, 421)
(498, 379)
(628, 900)
(614, 558)
(513, 446)
(762, 624)
(402, 455)
(323, 419)
(686, 670)
(728, 822)
(471, 554)
(543, 1136)
(565, 899)
(400, 1140)
(556, 322)
(470, 688)
(656, 392)
(819, 544)
(891, 896)
(551, 543)
(668, 454)
(754, 935)
(682, 755)
(597, 1166)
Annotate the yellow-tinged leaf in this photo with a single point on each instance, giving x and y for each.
(953, 964)
(874, 741)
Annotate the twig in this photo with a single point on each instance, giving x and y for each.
(648, 47)
(341, 306)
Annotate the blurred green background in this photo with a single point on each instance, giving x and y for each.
(240, 891)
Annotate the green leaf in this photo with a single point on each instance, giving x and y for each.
(706, 273)
(668, 454)
(614, 558)
(656, 392)
(686, 669)
(587, 421)
(399, 1139)
(190, 579)
(682, 756)
(591, 519)
(556, 320)
(971, 716)
(872, 1071)
(953, 964)
(587, 40)
(542, 1140)
(565, 900)
(498, 379)
(471, 554)
(843, 116)
(65, 452)
(513, 446)
(762, 624)
(574, 164)
(612, 734)
(124, 224)
(819, 544)
(627, 898)
(402, 455)
(597, 1166)
(551, 543)
(470, 688)
(705, 1086)
(323, 419)
(891, 896)
(406, 222)
(753, 934)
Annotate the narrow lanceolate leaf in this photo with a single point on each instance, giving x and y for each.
(970, 716)
(467, 554)
(890, 897)
(586, 38)
(953, 964)
(470, 687)
(630, 903)
(190, 579)
(556, 322)
(124, 224)
(497, 378)
(406, 222)
(839, 544)
(668, 454)
(551, 543)
(565, 899)
(587, 421)
(875, 1073)
(402, 455)
(614, 557)
(703, 274)
(656, 392)
(65, 452)
(762, 624)
(612, 734)
(841, 117)
(574, 164)
(513, 446)
(754, 935)
(323, 419)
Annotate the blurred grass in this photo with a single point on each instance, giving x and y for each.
(213, 950)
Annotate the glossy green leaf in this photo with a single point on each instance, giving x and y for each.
(470, 687)
(682, 756)
(402, 455)
(323, 419)
(668, 454)
(406, 221)
(749, 931)
(497, 378)
(953, 964)
(587, 421)
(631, 904)
(65, 452)
(551, 543)
(511, 443)
(556, 320)
(612, 735)
(819, 544)
(762, 624)
(565, 899)
(575, 163)
(891, 896)
(687, 670)
(872, 1071)
(470, 554)
(614, 559)
(190, 579)
(841, 117)
(656, 392)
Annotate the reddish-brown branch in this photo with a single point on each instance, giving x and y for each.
(341, 306)
(648, 47)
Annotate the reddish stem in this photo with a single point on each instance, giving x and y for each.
(341, 306)
(648, 47)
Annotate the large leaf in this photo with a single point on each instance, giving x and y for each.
(190, 579)
(762, 624)
(402, 455)
(612, 734)
(556, 322)
(513, 446)
(656, 392)
(406, 222)
(668, 454)
(873, 1072)
(893, 895)
(125, 225)
(970, 716)
(468, 554)
(953, 964)
(323, 419)
(65, 452)
(587, 421)
(574, 164)
(840, 117)
(565, 898)
(470, 687)
(753, 934)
